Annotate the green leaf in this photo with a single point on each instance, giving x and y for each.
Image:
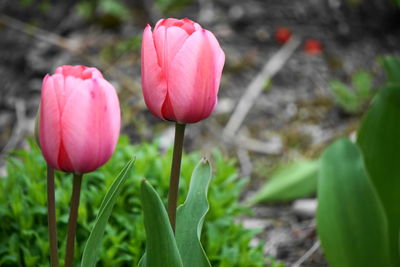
(161, 248)
(344, 96)
(94, 241)
(350, 219)
(391, 66)
(296, 180)
(379, 140)
(190, 218)
(362, 83)
(396, 2)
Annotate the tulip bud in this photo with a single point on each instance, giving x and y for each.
(181, 70)
(79, 119)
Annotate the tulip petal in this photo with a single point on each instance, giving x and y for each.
(90, 125)
(219, 57)
(50, 129)
(153, 80)
(194, 77)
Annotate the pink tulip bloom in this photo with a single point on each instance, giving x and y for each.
(181, 70)
(79, 119)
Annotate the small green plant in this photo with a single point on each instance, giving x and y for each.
(23, 214)
(92, 9)
(171, 5)
(353, 99)
(396, 2)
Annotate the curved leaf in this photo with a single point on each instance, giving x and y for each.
(190, 218)
(94, 241)
(391, 66)
(379, 140)
(350, 219)
(161, 248)
(296, 180)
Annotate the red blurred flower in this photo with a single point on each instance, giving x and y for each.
(283, 35)
(313, 47)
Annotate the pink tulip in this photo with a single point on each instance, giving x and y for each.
(181, 70)
(79, 119)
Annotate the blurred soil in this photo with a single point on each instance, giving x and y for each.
(295, 116)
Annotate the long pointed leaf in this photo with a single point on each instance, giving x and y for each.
(161, 248)
(350, 218)
(292, 181)
(379, 140)
(190, 218)
(92, 245)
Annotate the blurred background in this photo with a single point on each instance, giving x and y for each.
(289, 84)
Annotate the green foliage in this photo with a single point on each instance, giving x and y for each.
(350, 218)
(43, 6)
(295, 180)
(171, 5)
(391, 66)
(89, 257)
(379, 141)
(124, 47)
(396, 2)
(23, 213)
(190, 218)
(352, 100)
(91, 9)
(161, 247)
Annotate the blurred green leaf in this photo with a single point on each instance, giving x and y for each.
(190, 218)
(391, 66)
(171, 5)
(161, 248)
(296, 180)
(344, 96)
(89, 257)
(85, 9)
(379, 139)
(351, 222)
(362, 83)
(113, 7)
(396, 2)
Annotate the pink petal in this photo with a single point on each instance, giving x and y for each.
(194, 77)
(153, 81)
(159, 36)
(168, 41)
(175, 39)
(50, 129)
(186, 24)
(89, 125)
(79, 71)
(219, 57)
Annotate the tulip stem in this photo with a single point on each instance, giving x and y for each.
(73, 217)
(175, 172)
(51, 217)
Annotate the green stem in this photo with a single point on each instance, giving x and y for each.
(51, 217)
(175, 172)
(73, 217)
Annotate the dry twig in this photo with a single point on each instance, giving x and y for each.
(256, 86)
(307, 254)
